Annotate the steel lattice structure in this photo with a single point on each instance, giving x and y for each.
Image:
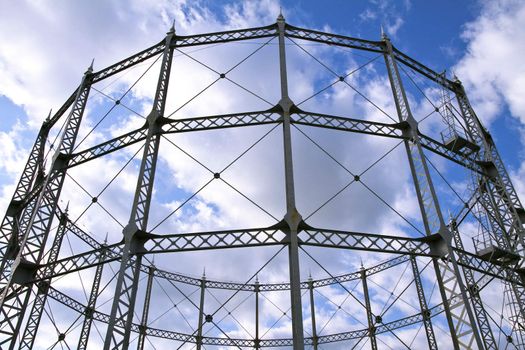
(30, 264)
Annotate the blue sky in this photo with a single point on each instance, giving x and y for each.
(46, 46)
(432, 32)
(442, 35)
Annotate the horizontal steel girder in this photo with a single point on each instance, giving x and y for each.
(183, 41)
(129, 62)
(349, 124)
(167, 334)
(225, 36)
(171, 126)
(466, 160)
(365, 241)
(172, 276)
(333, 39)
(150, 243)
(421, 68)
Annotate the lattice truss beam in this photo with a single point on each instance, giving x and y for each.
(29, 265)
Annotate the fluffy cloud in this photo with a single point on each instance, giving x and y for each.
(492, 69)
(110, 31)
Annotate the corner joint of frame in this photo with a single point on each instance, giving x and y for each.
(489, 168)
(14, 208)
(60, 161)
(137, 239)
(437, 244)
(24, 272)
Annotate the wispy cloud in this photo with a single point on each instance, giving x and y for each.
(389, 13)
(492, 68)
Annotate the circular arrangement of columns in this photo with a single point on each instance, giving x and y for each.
(257, 288)
(27, 267)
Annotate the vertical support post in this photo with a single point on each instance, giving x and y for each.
(257, 290)
(499, 198)
(312, 312)
(121, 317)
(477, 304)
(427, 322)
(369, 314)
(92, 302)
(39, 303)
(14, 296)
(461, 320)
(145, 310)
(12, 224)
(201, 312)
(292, 217)
(505, 196)
(490, 212)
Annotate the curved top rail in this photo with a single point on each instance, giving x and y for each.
(254, 33)
(333, 39)
(129, 62)
(225, 36)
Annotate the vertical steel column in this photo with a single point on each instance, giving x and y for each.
(201, 313)
(312, 312)
(292, 217)
(92, 302)
(500, 201)
(121, 317)
(489, 214)
(145, 310)
(429, 330)
(39, 303)
(477, 304)
(14, 296)
(369, 314)
(516, 293)
(461, 320)
(505, 196)
(257, 290)
(10, 229)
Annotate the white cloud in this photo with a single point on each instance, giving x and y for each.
(12, 160)
(393, 27)
(367, 14)
(390, 14)
(110, 31)
(492, 69)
